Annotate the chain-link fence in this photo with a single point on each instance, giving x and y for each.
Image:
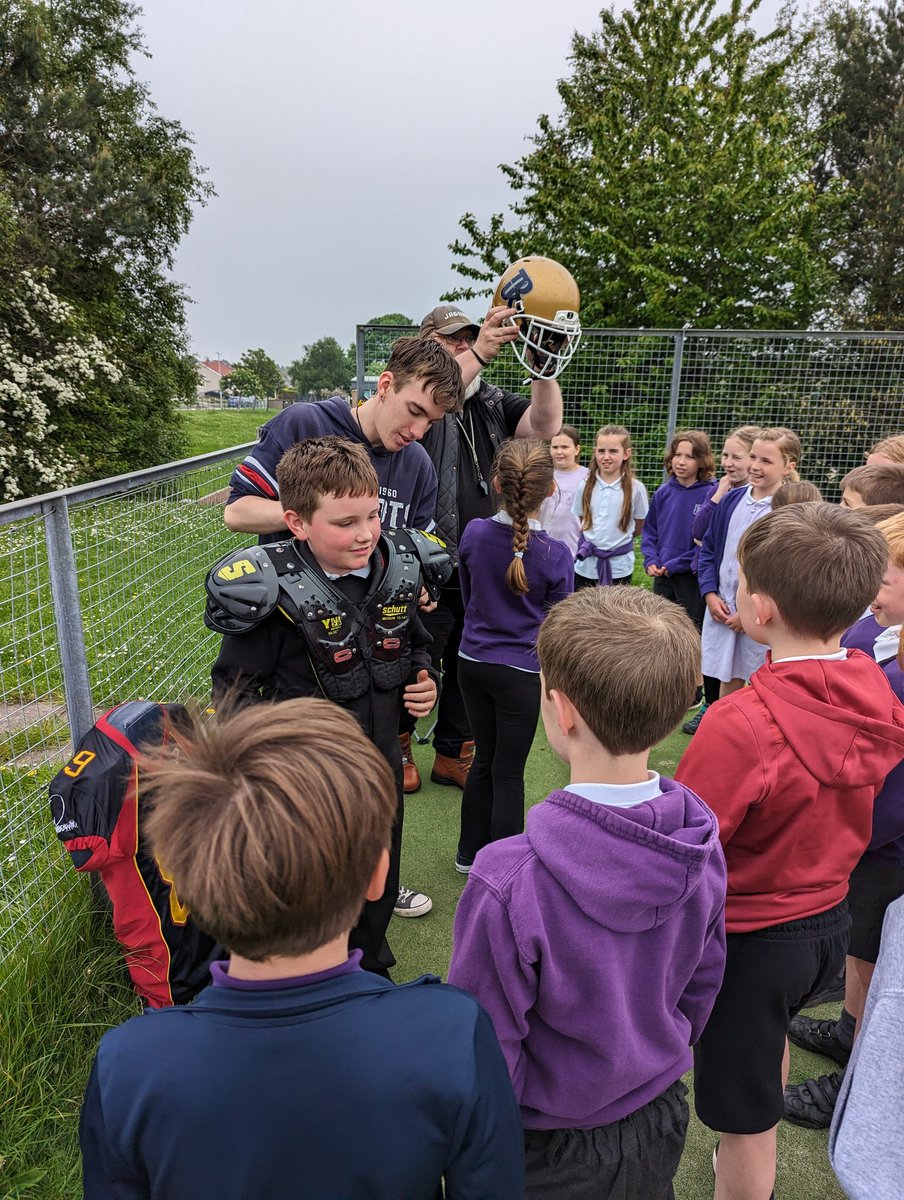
(840, 392)
(102, 597)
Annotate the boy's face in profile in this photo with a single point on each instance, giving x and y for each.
(888, 606)
(405, 413)
(342, 532)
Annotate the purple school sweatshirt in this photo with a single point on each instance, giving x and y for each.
(500, 626)
(595, 940)
(886, 843)
(667, 539)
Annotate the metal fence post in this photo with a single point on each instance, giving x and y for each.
(675, 386)
(359, 360)
(67, 611)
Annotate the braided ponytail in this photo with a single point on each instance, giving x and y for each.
(524, 476)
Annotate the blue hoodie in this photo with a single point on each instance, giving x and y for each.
(667, 540)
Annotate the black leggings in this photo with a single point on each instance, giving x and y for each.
(503, 706)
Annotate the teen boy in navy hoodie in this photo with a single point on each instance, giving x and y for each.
(595, 939)
(791, 766)
(286, 1078)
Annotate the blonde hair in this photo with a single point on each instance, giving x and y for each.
(626, 659)
(892, 447)
(272, 821)
(788, 443)
(524, 473)
(627, 479)
(744, 433)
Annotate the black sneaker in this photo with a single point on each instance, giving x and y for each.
(819, 1036)
(693, 724)
(812, 1103)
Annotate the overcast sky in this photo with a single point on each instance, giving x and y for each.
(345, 140)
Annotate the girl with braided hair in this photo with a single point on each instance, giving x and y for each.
(511, 573)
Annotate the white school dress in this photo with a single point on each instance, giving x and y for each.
(728, 655)
(605, 509)
(556, 515)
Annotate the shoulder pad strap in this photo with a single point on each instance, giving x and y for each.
(242, 589)
(435, 559)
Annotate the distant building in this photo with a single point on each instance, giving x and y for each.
(211, 373)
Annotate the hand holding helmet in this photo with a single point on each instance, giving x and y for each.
(546, 303)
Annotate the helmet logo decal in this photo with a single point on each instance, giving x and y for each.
(519, 285)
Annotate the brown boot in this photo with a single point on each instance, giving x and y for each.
(453, 772)
(411, 777)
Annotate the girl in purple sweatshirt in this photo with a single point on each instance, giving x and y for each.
(511, 573)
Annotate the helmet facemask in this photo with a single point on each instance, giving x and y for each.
(545, 348)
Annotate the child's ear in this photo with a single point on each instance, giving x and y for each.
(377, 885)
(295, 525)
(566, 713)
(496, 487)
(764, 608)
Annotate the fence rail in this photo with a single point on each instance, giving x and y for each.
(102, 595)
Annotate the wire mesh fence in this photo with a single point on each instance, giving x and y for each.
(840, 392)
(137, 550)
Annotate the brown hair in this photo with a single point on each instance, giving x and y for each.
(626, 659)
(893, 531)
(838, 561)
(571, 433)
(524, 475)
(627, 479)
(881, 483)
(701, 448)
(799, 491)
(427, 362)
(879, 512)
(892, 447)
(271, 821)
(325, 466)
(788, 443)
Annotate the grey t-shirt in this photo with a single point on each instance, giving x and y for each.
(866, 1142)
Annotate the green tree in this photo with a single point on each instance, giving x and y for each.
(99, 188)
(391, 319)
(676, 185)
(323, 370)
(255, 374)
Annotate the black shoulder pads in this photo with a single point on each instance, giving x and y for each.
(242, 589)
(435, 559)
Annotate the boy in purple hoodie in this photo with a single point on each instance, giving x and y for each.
(595, 939)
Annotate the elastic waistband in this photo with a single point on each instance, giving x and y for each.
(833, 920)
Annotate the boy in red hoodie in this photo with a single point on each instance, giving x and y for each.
(790, 766)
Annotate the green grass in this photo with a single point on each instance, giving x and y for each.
(425, 944)
(218, 429)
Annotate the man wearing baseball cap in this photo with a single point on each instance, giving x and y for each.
(462, 447)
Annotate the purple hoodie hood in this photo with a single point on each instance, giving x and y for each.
(674, 836)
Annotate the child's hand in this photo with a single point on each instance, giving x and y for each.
(718, 609)
(724, 486)
(734, 623)
(420, 697)
(655, 571)
(424, 601)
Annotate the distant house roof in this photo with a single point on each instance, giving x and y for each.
(220, 365)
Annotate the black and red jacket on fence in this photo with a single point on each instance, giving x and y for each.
(97, 808)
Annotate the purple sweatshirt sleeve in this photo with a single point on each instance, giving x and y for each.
(702, 520)
(486, 962)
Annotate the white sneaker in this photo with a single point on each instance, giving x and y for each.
(412, 904)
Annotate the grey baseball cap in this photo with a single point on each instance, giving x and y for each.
(447, 318)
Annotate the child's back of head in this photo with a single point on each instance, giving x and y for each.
(271, 822)
(878, 483)
(821, 565)
(626, 659)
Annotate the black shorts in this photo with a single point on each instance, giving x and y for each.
(768, 975)
(682, 589)
(632, 1159)
(874, 885)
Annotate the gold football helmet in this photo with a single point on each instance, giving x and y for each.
(548, 303)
